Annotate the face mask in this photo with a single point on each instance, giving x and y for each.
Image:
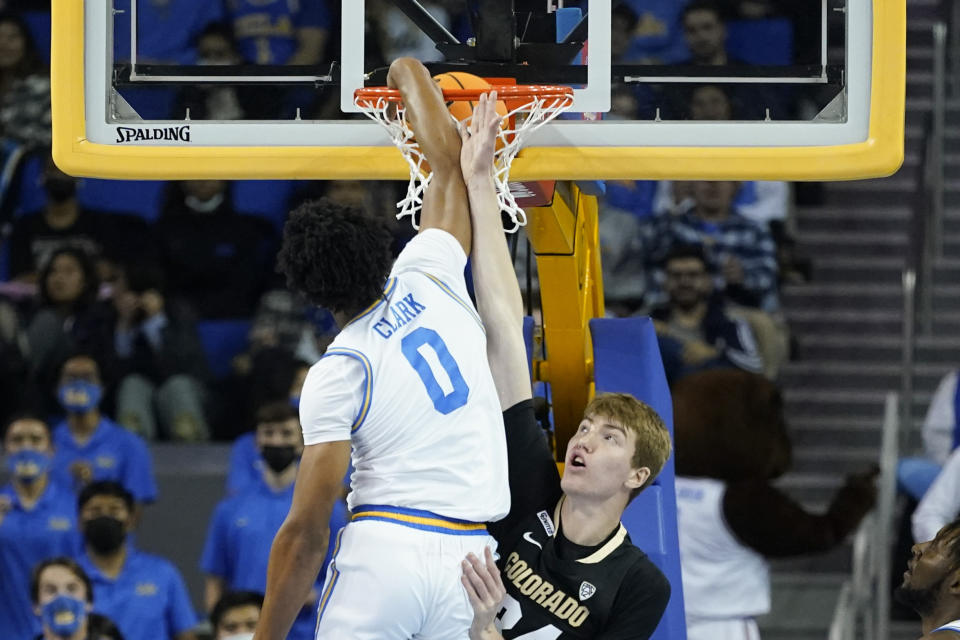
(27, 465)
(239, 636)
(104, 534)
(204, 206)
(79, 396)
(279, 458)
(63, 615)
(60, 189)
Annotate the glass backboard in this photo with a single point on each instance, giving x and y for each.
(806, 96)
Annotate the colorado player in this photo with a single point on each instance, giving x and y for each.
(407, 382)
(569, 567)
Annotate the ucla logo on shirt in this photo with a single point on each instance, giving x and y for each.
(146, 589)
(106, 462)
(59, 524)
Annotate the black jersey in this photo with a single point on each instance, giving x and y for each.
(558, 590)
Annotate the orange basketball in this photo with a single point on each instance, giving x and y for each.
(461, 110)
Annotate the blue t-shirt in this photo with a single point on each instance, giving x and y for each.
(659, 34)
(266, 30)
(635, 196)
(114, 454)
(238, 544)
(246, 464)
(47, 530)
(168, 29)
(148, 600)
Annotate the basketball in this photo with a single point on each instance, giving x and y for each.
(460, 109)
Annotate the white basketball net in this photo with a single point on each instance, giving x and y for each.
(538, 111)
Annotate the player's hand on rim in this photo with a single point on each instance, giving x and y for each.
(479, 138)
(481, 579)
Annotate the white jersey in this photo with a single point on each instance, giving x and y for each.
(722, 578)
(407, 381)
(941, 503)
(950, 626)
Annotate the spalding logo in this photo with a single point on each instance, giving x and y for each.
(158, 134)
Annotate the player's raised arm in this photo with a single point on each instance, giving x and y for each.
(495, 282)
(534, 483)
(300, 545)
(445, 199)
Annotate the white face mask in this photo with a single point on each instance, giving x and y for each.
(239, 636)
(204, 206)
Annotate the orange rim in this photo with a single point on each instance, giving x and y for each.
(504, 92)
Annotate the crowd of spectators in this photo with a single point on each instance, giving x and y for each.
(143, 311)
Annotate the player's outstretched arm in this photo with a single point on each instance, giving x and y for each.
(494, 280)
(301, 543)
(445, 199)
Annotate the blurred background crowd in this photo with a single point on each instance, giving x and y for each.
(141, 311)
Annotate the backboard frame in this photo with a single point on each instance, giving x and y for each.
(82, 147)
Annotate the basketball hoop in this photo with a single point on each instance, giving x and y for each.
(529, 107)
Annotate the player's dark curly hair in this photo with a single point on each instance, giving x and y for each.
(336, 255)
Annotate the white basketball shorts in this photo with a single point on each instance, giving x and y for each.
(722, 629)
(395, 574)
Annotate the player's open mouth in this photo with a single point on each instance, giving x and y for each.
(577, 461)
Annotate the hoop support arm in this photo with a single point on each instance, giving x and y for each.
(564, 239)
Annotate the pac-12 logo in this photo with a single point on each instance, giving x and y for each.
(158, 134)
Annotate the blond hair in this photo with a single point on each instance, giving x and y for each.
(652, 448)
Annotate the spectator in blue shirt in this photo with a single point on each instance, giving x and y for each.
(142, 593)
(90, 447)
(61, 595)
(238, 542)
(246, 464)
(38, 520)
(235, 615)
(741, 254)
(280, 31)
(269, 366)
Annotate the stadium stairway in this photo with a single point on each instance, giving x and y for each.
(847, 323)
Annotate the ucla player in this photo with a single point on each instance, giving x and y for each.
(567, 568)
(407, 385)
(931, 584)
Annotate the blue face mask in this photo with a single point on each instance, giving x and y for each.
(63, 615)
(80, 396)
(27, 465)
